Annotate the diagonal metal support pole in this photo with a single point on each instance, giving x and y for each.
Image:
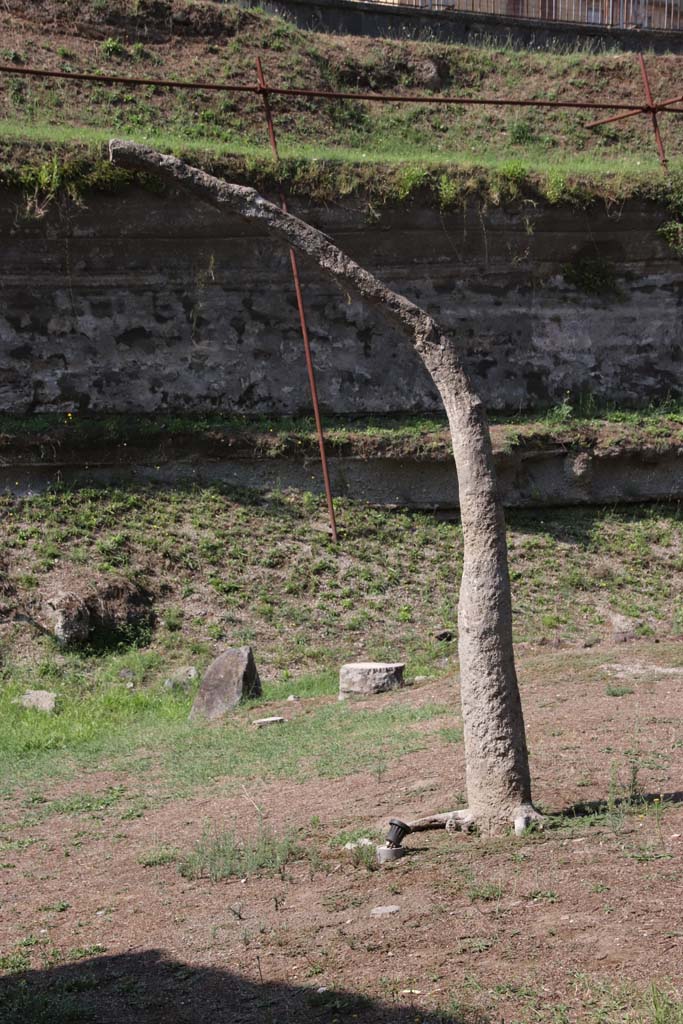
(651, 108)
(263, 89)
(617, 117)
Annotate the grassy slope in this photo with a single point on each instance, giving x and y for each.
(330, 148)
(236, 568)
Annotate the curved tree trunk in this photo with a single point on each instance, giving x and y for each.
(498, 783)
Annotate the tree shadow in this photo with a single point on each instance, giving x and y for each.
(148, 987)
(587, 808)
(576, 524)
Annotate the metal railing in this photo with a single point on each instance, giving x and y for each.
(652, 15)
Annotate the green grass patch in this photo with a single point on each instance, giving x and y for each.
(619, 691)
(353, 835)
(220, 855)
(377, 175)
(159, 856)
(272, 436)
(330, 741)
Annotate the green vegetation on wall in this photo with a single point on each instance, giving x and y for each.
(77, 171)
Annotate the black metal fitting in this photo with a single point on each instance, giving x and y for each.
(398, 830)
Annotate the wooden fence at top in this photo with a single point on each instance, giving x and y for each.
(657, 15)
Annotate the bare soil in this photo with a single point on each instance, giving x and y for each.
(570, 925)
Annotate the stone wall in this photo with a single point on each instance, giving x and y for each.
(139, 302)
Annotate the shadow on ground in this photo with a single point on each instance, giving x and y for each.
(149, 988)
(587, 808)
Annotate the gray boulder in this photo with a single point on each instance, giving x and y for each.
(429, 74)
(83, 608)
(229, 678)
(361, 678)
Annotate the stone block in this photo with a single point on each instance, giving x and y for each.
(229, 678)
(362, 678)
(391, 908)
(39, 700)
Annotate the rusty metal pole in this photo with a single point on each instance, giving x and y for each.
(263, 89)
(650, 103)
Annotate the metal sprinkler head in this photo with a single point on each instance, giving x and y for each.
(398, 830)
(392, 850)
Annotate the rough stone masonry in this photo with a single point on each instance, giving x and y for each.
(136, 302)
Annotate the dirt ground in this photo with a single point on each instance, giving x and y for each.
(572, 924)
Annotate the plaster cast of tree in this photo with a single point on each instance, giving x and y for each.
(497, 768)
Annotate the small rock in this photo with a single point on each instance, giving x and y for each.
(391, 908)
(39, 700)
(273, 720)
(422, 679)
(446, 635)
(229, 678)
(429, 74)
(358, 842)
(623, 628)
(365, 677)
(292, 698)
(181, 678)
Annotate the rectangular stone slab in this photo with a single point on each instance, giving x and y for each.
(366, 677)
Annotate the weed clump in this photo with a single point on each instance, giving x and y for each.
(224, 855)
(672, 233)
(158, 857)
(592, 275)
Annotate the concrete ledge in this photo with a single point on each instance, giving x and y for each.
(528, 478)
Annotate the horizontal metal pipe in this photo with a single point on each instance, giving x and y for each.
(83, 76)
